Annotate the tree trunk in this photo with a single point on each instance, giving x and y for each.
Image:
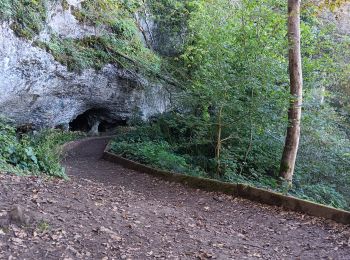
(296, 87)
(218, 143)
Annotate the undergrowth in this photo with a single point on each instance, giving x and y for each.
(37, 154)
(177, 143)
(156, 154)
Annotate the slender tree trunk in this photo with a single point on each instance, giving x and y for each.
(323, 94)
(218, 143)
(296, 87)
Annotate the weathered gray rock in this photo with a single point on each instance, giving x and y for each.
(340, 17)
(4, 220)
(159, 37)
(36, 89)
(19, 217)
(62, 22)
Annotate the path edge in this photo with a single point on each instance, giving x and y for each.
(236, 190)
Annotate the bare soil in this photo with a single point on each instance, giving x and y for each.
(108, 212)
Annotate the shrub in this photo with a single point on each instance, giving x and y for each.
(171, 142)
(32, 154)
(47, 146)
(322, 194)
(156, 154)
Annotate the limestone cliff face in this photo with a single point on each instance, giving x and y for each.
(340, 17)
(343, 19)
(34, 88)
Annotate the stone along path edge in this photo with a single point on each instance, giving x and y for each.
(236, 190)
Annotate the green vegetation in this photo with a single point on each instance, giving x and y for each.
(95, 52)
(182, 144)
(231, 118)
(119, 41)
(147, 145)
(43, 226)
(160, 155)
(171, 22)
(28, 16)
(117, 14)
(32, 154)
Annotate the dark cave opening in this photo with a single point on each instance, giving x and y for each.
(105, 126)
(80, 123)
(95, 121)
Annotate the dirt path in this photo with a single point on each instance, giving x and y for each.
(108, 212)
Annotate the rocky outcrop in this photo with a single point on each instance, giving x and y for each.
(340, 17)
(62, 22)
(36, 89)
(165, 37)
(343, 19)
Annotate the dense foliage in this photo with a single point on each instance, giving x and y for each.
(231, 118)
(229, 59)
(35, 154)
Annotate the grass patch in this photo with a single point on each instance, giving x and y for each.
(43, 227)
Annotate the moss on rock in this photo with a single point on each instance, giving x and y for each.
(28, 16)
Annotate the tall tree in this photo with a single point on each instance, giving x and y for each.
(296, 90)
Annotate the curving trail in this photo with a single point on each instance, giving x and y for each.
(173, 221)
(109, 212)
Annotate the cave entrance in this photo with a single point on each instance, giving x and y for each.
(95, 121)
(105, 126)
(80, 123)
